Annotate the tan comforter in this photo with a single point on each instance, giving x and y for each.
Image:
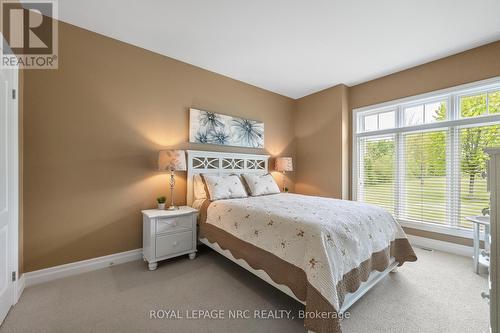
(321, 248)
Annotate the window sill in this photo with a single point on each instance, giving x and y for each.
(440, 229)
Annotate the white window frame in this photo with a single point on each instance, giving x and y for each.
(453, 121)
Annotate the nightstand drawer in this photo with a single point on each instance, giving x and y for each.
(178, 223)
(167, 234)
(170, 244)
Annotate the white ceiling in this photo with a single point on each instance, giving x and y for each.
(294, 47)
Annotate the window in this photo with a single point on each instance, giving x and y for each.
(473, 106)
(378, 171)
(387, 120)
(371, 123)
(494, 102)
(424, 174)
(473, 195)
(425, 113)
(480, 104)
(423, 159)
(378, 121)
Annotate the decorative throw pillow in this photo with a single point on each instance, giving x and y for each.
(199, 188)
(261, 184)
(224, 187)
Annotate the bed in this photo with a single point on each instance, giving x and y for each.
(325, 253)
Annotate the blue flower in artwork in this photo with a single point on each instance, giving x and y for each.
(218, 136)
(210, 120)
(201, 136)
(248, 132)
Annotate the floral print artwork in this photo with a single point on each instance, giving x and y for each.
(213, 128)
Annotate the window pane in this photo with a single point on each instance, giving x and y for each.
(414, 115)
(494, 102)
(386, 120)
(425, 177)
(435, 112)
(371, 123)
(473, 194)
(377, 172)
(473, 106)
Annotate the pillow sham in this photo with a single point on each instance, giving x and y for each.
(224, 187)
(261, 184)
(199, 188)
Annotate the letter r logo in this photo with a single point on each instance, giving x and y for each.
(27, 26)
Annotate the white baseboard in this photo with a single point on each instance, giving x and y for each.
(74, 268)
(458, 249)
(57, 272)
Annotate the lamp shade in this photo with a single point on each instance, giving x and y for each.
(283, 164)
(172, 160)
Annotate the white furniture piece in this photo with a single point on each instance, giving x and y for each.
(481, 257)
(221, 164)
(494, 187)
(200, 162)
(168, 233)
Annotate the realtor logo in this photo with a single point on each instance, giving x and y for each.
(29, 31)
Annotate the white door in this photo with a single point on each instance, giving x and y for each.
(8, 188)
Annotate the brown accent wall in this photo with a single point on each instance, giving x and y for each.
(322, 143)
(92, 130)
(473, 65)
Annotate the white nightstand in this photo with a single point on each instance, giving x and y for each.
(167, 234)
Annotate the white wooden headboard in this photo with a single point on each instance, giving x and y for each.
(222, 163)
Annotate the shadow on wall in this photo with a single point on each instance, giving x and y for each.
(318, 162)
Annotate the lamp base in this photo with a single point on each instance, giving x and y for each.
(172, 208)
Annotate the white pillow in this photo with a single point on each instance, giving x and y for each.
(261, 184)
(199, 188)
(224, 187)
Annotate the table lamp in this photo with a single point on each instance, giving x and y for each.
(283, 164)
(172, 160)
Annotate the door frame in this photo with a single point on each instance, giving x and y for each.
(13, 184)
(14, 190)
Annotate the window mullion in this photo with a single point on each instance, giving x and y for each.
(360, 171)
(453, 165)
(453, 176)
(487, 103)
(400, 194)
(399, 181)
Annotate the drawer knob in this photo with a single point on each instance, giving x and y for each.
(176, 243)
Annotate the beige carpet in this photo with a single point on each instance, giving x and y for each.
(438, 293)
